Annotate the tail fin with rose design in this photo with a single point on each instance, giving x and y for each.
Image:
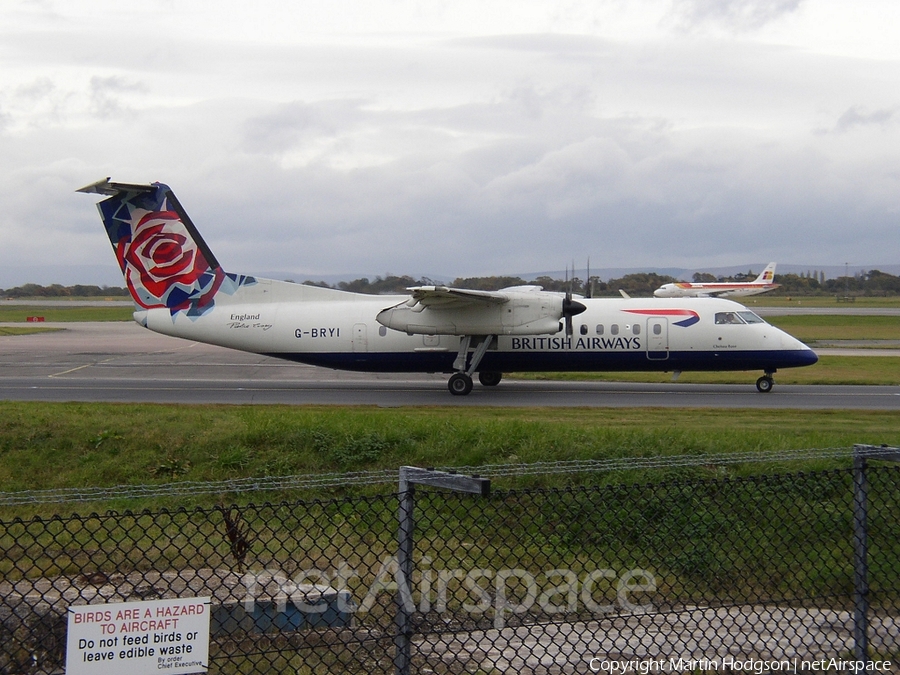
(165, 262)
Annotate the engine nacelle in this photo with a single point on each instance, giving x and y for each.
(526, 313)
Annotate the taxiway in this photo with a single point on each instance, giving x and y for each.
(122, 362)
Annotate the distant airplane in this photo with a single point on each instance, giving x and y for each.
(180, 289)
(683, 289)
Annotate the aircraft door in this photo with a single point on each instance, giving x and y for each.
(360, 338)
(658, 338)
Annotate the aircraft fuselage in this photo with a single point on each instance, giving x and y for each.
(338, 330)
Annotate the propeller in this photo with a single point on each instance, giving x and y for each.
(570, 307)
(589, 284)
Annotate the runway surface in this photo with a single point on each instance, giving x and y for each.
(114, 361)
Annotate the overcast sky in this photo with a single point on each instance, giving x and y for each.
(455, 138)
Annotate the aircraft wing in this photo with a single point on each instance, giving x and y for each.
(443, 297)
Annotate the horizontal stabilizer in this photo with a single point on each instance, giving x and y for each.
(107, 187)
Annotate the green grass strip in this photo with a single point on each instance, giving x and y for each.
(54, 445)
(20, 313)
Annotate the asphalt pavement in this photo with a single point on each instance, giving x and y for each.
(120, 361)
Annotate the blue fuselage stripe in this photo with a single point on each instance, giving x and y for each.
(442, 362)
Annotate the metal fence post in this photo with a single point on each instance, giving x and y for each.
(860, 557)
(410, 476)
(403, 617)
(861, 455)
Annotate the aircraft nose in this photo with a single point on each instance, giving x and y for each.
(801, 354)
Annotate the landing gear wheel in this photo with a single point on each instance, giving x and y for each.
(459, 384)
(489, 378)
(765, 384)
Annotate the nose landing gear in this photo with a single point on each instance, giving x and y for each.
(765, 383)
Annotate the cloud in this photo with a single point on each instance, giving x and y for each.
(733, 15)
(453, 143)
(106, 94)
(856, 117)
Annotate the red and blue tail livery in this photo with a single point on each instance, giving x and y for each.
(165, 262)
(179, 288)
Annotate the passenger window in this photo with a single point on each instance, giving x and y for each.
(614, 329)
(583, 329)
(382, 331)
(599, 329)
(636, 329)
(657, 329)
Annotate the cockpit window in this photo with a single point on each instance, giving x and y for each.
(723, 318)
(750, 317)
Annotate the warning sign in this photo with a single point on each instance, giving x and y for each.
(155, 636)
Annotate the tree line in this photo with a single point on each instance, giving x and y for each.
(60, 291)
(871, 283)
(874, 283)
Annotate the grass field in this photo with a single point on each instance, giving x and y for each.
(19, 313)
(872, 370)
(52, 445)
(26, 330)
(811, 328)
(769, 300)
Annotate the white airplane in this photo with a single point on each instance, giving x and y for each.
(684, 289)
(180, 289)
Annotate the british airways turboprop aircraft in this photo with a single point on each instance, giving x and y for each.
(684, 289)
(180, 289)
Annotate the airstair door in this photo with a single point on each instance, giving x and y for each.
(658, 338)
(360, 338)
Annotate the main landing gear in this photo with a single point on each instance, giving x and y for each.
(766, 382)
(489, 378)
(460, 383)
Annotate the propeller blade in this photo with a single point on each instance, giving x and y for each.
(588, 285)
(570, 307)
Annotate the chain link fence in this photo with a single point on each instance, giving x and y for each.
(765, 572)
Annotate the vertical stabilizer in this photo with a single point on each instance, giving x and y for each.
(767, 276)
(165, 262)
